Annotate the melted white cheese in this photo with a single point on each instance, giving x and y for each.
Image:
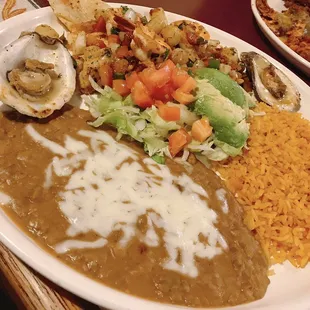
(5, 199)
(113, 190)
(75, 146)
(65, 246)
(48, 176)
(221, 196)
(54, 147)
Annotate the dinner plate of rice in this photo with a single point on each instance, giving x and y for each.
(285, 24)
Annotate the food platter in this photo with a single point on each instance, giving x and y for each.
(281, 293)
(288, 53)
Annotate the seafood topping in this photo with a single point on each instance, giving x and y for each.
(270, 84)
(47, 34)
(33, 80)
(37, 74)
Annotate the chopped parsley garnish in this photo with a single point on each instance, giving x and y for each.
(201, 41)
(144, 20)
(191, 107)
(181, 26)
(190, 63)
(108, 52)
(191, 73)
(115, 30)
(159, 57)
(118, 76)
(166, 54)
(124, 9)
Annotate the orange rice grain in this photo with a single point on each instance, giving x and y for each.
(272, 182)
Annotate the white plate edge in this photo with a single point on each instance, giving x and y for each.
(44, 270)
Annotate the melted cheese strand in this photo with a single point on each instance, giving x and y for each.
(48, 176)
(221, 196)
(52, 146)
(113, 189)
(4, 199)
(67, 245)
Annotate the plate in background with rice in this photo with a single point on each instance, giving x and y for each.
(287, 52)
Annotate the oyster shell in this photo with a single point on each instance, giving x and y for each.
(37, 74)
(270, 84)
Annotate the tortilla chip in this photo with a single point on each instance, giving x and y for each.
(74, 12)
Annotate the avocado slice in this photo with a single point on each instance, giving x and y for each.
(227, 119)
(222, 82)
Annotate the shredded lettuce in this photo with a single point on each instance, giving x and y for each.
(251, 101)
(208, 149)
(120, 120)
(154, 146)
(145, 126)
(159, 159)
(162, 127)
(187, 117)
(228, 149)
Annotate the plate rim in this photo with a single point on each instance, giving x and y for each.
(138, 302)
(298, 61)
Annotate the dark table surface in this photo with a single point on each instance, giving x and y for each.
(232, 16)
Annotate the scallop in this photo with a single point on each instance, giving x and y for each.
(270, 84)
(37, 74)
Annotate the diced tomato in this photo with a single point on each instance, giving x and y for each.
(178, 140)
(100, 26)
(120, 87)
(163, 75)
(157, 82)
(101, 44)
(182, 97)
(113, 38)
(141, 96)
(131, 79)
(160, 77)
(168, 63)
(106, 74)
(163, 93)
(201, 130)
(127, 38)
(122, 52)
(169, 113)
(189, 85)
(158, 103)
(157, 78)
(179, 77)
(144, 76)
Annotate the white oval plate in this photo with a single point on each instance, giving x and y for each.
(289, 288)
(287, 52)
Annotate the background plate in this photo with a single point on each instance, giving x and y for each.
(289, 288)
(287, 52)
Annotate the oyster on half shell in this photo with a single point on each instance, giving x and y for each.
(37, 74)
(270, 84)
